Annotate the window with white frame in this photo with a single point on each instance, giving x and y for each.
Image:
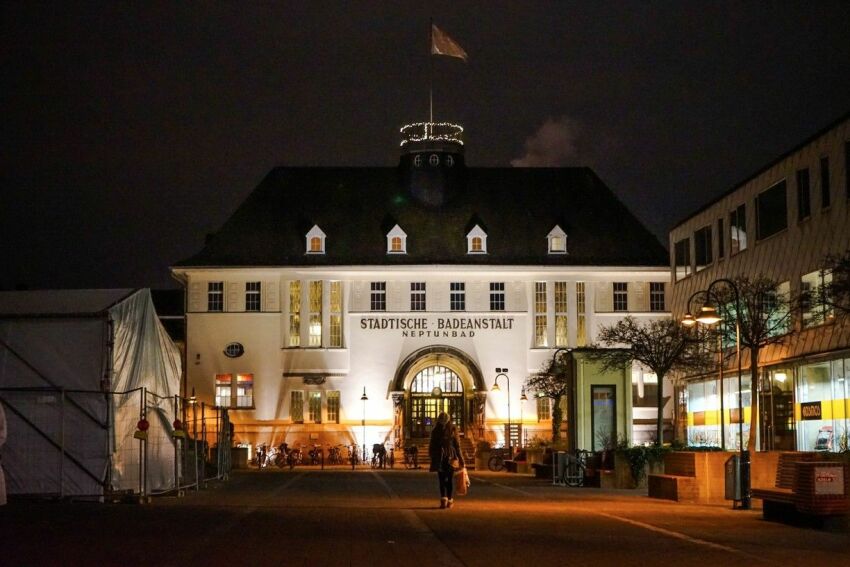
(540, 323)
(296, 406)
(621, 296)
(476, 241)
(335, 336)
(238, 394)
(315, 313)
(396, 241)
(738, 230)
(252, 296)
(457, 296)
(497, 296)
(581, 311)
(294, 313)
(656, 296)
(544, 408)
(557, 239)
(378, 296)
(417, 296)
(315, 240)
(333, 406)
(682, 258)
(215, 296)
(560, 314)
(314, 407)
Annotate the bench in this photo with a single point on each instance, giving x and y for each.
(510, 465)
(807, 484)
(678, 482)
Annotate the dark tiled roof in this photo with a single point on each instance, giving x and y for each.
(356, 207)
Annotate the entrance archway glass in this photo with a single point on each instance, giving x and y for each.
(435, 389)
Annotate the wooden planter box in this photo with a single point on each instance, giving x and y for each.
(481, 459)
(623, 473)
(706, 468)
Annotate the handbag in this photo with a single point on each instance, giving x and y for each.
(461, 480)
(452, 458)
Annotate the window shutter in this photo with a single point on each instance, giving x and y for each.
(235, 296)
(196, 297)
(271, 296)
(395, 296)
(604, 297)
(638, 296)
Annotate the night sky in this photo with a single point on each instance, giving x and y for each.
(130, 130)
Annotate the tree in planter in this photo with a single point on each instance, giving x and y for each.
(552, 382)
(765, 319)
(661, 345)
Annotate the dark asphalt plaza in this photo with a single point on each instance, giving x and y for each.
(342, 517)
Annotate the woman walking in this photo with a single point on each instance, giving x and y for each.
(446, 457)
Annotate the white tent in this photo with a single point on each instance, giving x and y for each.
(78, 368)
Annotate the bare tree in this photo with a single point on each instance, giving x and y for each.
(835, 289)
(552, 382)
(661, 346)
(765, 319)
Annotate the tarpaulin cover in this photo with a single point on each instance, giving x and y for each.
(67, 435)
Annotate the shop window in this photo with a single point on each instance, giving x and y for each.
(682, 258)
(738, 230)
(296, 406)
(295, 313)
(822, 392)
(497, 296)
(702, 248)
(771, 211)
(544, 408)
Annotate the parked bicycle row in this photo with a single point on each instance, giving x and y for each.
(282, 456)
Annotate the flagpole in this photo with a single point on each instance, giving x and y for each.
(431, 69)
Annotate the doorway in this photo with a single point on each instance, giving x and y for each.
(434, 389)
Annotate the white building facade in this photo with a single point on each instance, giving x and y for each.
(410, 287)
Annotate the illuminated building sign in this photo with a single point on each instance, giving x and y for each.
(452, 327)
(810, 411)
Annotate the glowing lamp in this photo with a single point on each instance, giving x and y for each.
(708, 315)
(688, 320)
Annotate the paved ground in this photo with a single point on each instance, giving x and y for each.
(340, 517)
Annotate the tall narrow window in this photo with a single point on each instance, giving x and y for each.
(771, 211)
(335, 336)
(244, 390)
(333, 406)
(721, 239)
(656, 296)
(621, 296)
(702, 248)
(457, 296)
(825, 191)
(417, 296)
(497, 296)
(814, 299)
(315, 313)
(314, 407)
(581, 310)
(295, 313)
(560, 314)
(683, 258)
(296, 406)
(215, 296)
(544, 408)
(252, 296)
(223, 390)
(804, 198)
(378, 296)
(738, 230)
(540, 331)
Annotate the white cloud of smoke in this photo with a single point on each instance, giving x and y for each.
(553, 145)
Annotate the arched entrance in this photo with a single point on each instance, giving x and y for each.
(434, 389)
(432, 380)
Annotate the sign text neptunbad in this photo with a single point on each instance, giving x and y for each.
(452, 327)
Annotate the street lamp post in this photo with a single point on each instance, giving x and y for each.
(522, 399)
(709, 316)
(499, 373)
(363, 399)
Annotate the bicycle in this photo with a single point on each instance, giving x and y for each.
(335, 455)
(496, 462)
(575, 470)
(353, 456)
(411, 457)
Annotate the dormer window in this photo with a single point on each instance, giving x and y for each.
(315, 241)
(476, 241)
(396, 241)
(557, 239)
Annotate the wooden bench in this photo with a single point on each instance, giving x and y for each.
(678, 482)
(808, 484)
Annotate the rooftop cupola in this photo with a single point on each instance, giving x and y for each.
(432, 161)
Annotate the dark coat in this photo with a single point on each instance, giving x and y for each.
(442, 448)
